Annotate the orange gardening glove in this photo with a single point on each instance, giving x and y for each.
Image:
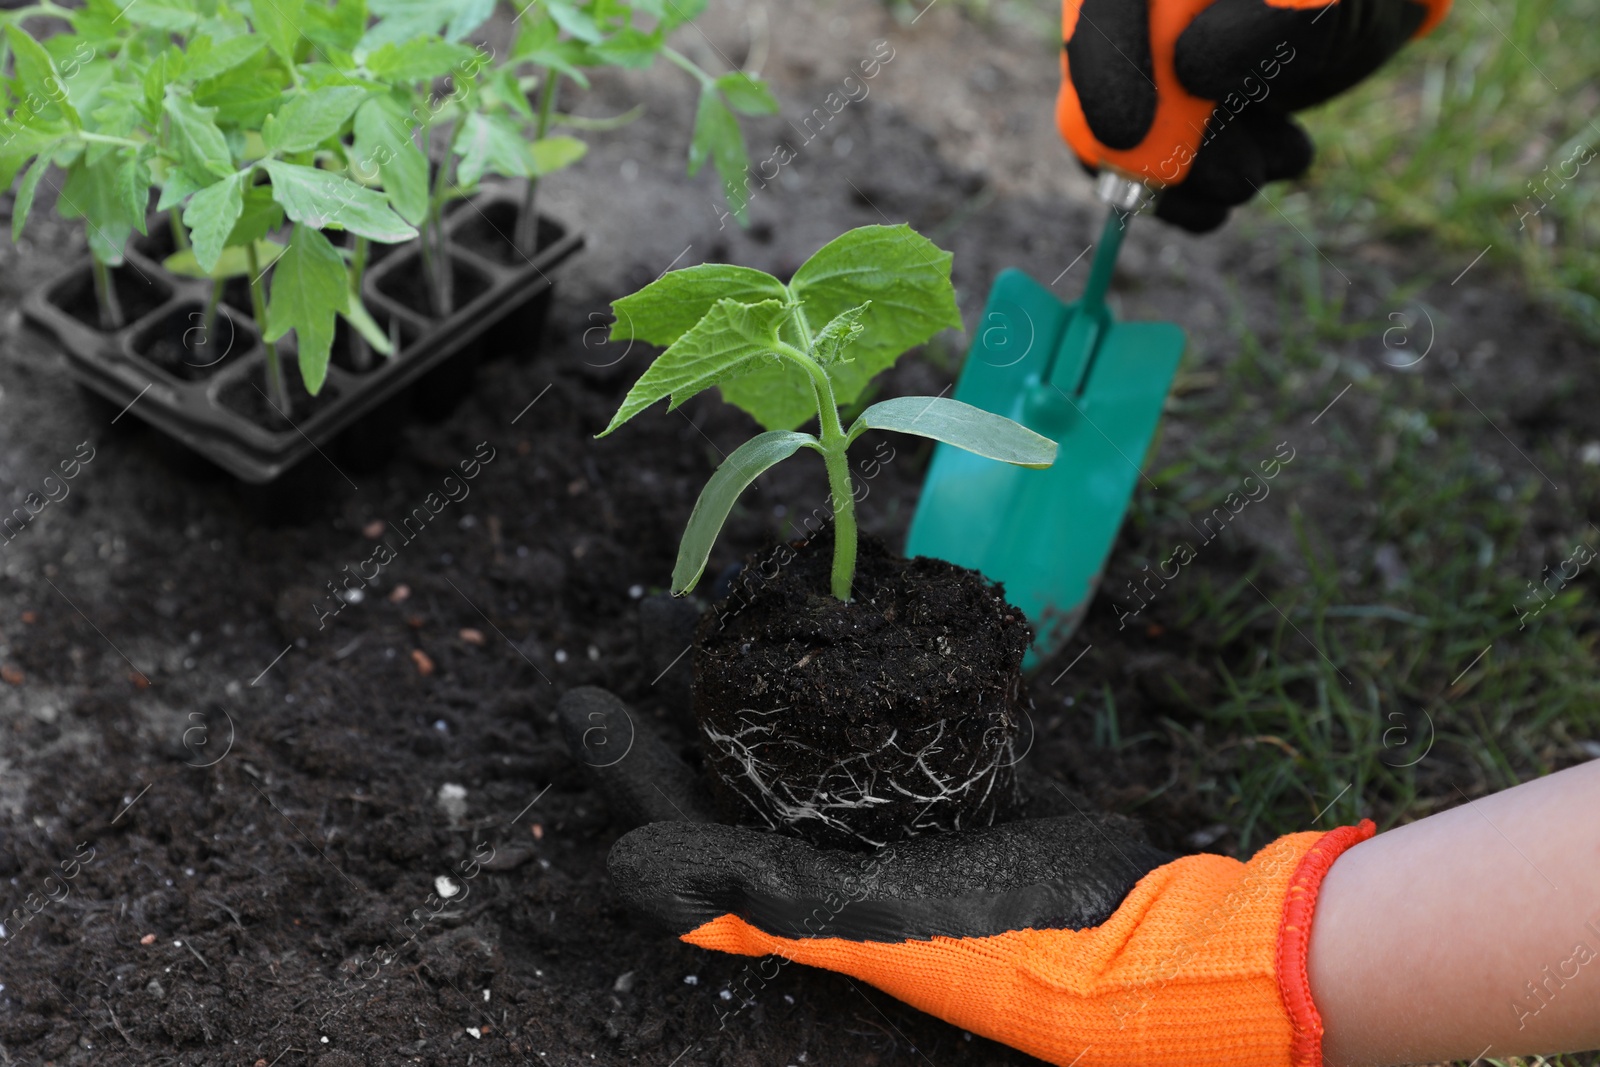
(1056, 935)
(1195, 95)
(1024, 933)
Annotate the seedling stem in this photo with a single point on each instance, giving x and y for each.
(277, 391)
(105, 293)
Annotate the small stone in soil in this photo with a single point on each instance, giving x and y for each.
(624, 983)
(423, 661)
(691, 979)
(148, 939)
(399, 593)
(12, 675)
(445, 887)
(472, 637)
(453, 799)
(374, 529)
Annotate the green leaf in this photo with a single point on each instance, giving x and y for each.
(234, 262)
(904, 275)
(906, 280)
(279, 22)
(576, 21)
(171, 16)
(245, 95)
(383, 149)
(491, 144)
(207, 59)
(777, 395)
(664, 310)
(539, 41)
(974, 429)
(179, 186)
(261, 216)
(466, 16)
(24, 201)
(211, 215)
(199, 144)
(405, 20)
(550, 154)
(717, 138)
(747, 94)
(20, 141)
(310, 118)
(421, 59)
(37, 75)
(86, 81)
(310, 284)
(721, 345)
(832, 340)
(630, 48)
(322, 200)
(503, 86)
(336, 29)
(743, 466)
(671, 13)
(361, 320)
(110, 195)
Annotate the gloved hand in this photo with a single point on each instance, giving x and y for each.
(1194, 95)
(1059, 934)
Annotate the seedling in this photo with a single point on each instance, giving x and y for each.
(266, 127)
(499, 114)
(876, 291)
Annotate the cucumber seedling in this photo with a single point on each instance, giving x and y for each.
(787, 353)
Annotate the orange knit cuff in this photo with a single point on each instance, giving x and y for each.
(1294, 939)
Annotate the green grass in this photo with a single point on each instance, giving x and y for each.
(1446, 140)
(1436, 151)
(1331, 681)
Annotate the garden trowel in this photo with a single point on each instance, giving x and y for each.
(1074, 374)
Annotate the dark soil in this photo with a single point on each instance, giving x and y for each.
(180, 343)
(139, 292)
(857, 724)
(346, 342)
(259, 774)
(488, 231)
(402, 281)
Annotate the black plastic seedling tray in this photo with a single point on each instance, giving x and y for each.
(208, 391)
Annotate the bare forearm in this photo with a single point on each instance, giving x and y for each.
(1475, 930)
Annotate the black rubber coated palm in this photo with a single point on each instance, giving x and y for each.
(1062, 869)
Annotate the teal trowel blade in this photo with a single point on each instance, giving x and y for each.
(1046, 534)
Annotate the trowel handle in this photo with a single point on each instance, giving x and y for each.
(1122, 195)
(1075, 355)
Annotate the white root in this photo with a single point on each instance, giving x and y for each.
(864, 780)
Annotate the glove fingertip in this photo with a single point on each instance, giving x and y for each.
(1194, 214)
(679, 875)
(1286, 148)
